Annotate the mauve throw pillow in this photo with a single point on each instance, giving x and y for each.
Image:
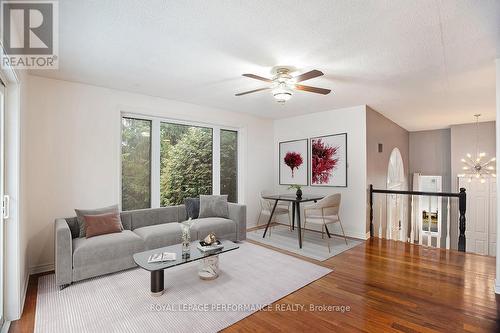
(192, 207)
(80, 213)
(214, 206)
(102, 224)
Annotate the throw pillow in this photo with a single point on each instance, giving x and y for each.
(82, 212)
(192, 207)
(102, 224)
(214, 206)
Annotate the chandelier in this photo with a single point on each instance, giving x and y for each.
(478, 166)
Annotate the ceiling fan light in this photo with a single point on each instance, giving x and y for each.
(282, 93)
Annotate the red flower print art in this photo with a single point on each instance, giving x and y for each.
(324, 161)
(293, 160)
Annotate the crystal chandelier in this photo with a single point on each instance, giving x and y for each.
(478, 166)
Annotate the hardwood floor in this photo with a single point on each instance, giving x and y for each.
(388, 286)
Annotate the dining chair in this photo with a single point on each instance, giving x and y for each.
(266, 207)
(324, 212)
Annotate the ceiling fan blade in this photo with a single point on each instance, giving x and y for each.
(253, 76)
(251, 91)
(309, 75)
(313, 89)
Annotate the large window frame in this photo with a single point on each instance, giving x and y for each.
(156, 153)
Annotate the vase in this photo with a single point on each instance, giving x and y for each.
(186, 239)
(299, 193)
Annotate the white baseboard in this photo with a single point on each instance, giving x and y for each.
(41, 268)
(24, 292)
(497, 286)
(6, 326)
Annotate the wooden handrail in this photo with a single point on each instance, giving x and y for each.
(427, 194)
(462, 203)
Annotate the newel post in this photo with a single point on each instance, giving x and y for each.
(462, 203)
(371, 210)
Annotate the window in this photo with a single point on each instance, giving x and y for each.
(229, 164)
(185, 162)
(164, 162)
(136, 160)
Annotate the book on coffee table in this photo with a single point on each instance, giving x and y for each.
(161, 257)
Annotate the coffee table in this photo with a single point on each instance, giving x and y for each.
(209, 262)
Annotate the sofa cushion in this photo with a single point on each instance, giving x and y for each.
(160, 235)
(73, 226)
(110, 247)
(214, 206)
(181, 213)
(80, 213)
(146, 217)
(192, 207)
(223, 228)
(126, 218)
(102, 224)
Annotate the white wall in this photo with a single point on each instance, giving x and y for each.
(381, 130)
(353, 121)
(71, 138)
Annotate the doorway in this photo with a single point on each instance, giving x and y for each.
(480, 231)
(396, 180)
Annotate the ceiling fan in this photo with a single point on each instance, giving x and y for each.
(283, 83)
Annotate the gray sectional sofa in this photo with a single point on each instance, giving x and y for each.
(79, 258)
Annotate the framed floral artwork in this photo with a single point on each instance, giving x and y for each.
(328, 160)
(293, 162)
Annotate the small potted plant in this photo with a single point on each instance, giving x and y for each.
(299, 190)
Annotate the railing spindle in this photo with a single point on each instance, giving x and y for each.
(380, 218)
(462, 203)
(448, 211)
(429, 222)
(412, 221)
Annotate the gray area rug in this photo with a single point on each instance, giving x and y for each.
(312, 245)
(251, 278)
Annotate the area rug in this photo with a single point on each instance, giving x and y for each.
(313, 246)
(251, 277)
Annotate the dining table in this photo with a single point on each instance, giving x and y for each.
(296, 201)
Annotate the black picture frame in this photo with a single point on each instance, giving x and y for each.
(345, 165)
(306, 161)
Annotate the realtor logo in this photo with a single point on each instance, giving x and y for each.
(30, 34)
